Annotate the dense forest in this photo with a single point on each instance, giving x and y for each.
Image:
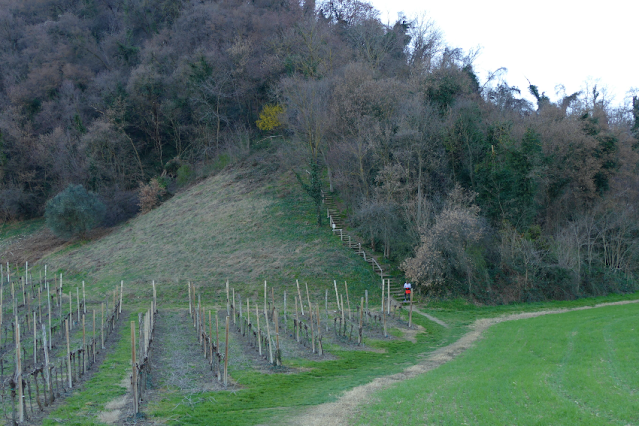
(469, 187)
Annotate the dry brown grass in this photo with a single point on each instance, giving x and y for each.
(227, 227)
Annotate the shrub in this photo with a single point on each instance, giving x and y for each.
(73, 211)
(150, 195)
(172, 166)
(184, 174)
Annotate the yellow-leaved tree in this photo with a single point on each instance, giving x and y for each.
(270, 117)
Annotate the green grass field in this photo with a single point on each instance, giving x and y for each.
(572, 368)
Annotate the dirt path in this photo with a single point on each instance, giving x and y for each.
(178, 361)
(342, 410)
(430, 317)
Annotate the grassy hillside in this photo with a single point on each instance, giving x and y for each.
(252, 223)
(246, 225)
(573, 368)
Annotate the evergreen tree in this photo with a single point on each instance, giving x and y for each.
(73, 211)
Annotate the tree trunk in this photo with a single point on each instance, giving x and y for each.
(419, 190)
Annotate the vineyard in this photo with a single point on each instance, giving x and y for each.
(47, 347)
(175, 320)
(52, 337)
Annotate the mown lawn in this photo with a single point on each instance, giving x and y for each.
(572, 368)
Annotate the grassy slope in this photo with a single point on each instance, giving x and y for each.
(247, 226)
(572, 368)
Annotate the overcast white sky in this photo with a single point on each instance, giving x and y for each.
(548, 42)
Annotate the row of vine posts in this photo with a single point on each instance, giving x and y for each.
(33, 343)
(141, 359)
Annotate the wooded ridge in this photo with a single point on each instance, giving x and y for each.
(467, 186)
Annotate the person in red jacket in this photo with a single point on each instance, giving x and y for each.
(407, 290)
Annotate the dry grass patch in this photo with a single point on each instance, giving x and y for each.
(222, 228)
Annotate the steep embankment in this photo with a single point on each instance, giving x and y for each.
(247, 224)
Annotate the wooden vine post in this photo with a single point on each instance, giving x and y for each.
(299, 294)
(94, 341)
(343, 318)
(361, 323)
(366, 300)
(35, 340)
(217, 331)
(388, 299)
(336, 295)
(84, 346)
(410, 314)
(297, 323)
(259, 335)
(134, 370)
(47, 371)
(226, 354)
(265, 308)
(268, 336)
(228, 302)
(155, 299)
(210, 337)
(272, 301)
(326, 307)
(68, 354)
(383, 305)
(278, 354)
(348, 301)
(49, 306)
(102, 326)
(310, 311)
(233, 305)
(19, 373)
(319, 333)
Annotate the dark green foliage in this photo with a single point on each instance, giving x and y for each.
(313, 188)
(605, 151)
(542, 100)
(508, 177)
(185, 174)
(172, 166)
(465, 144)
(73, 211)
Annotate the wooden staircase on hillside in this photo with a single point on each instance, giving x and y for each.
(336, 222)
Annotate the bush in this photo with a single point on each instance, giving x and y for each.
(150, 195)
(172, 166)
(184, 174)
(73, 211)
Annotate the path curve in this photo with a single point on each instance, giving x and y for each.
(430, 317)
(340, 411)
